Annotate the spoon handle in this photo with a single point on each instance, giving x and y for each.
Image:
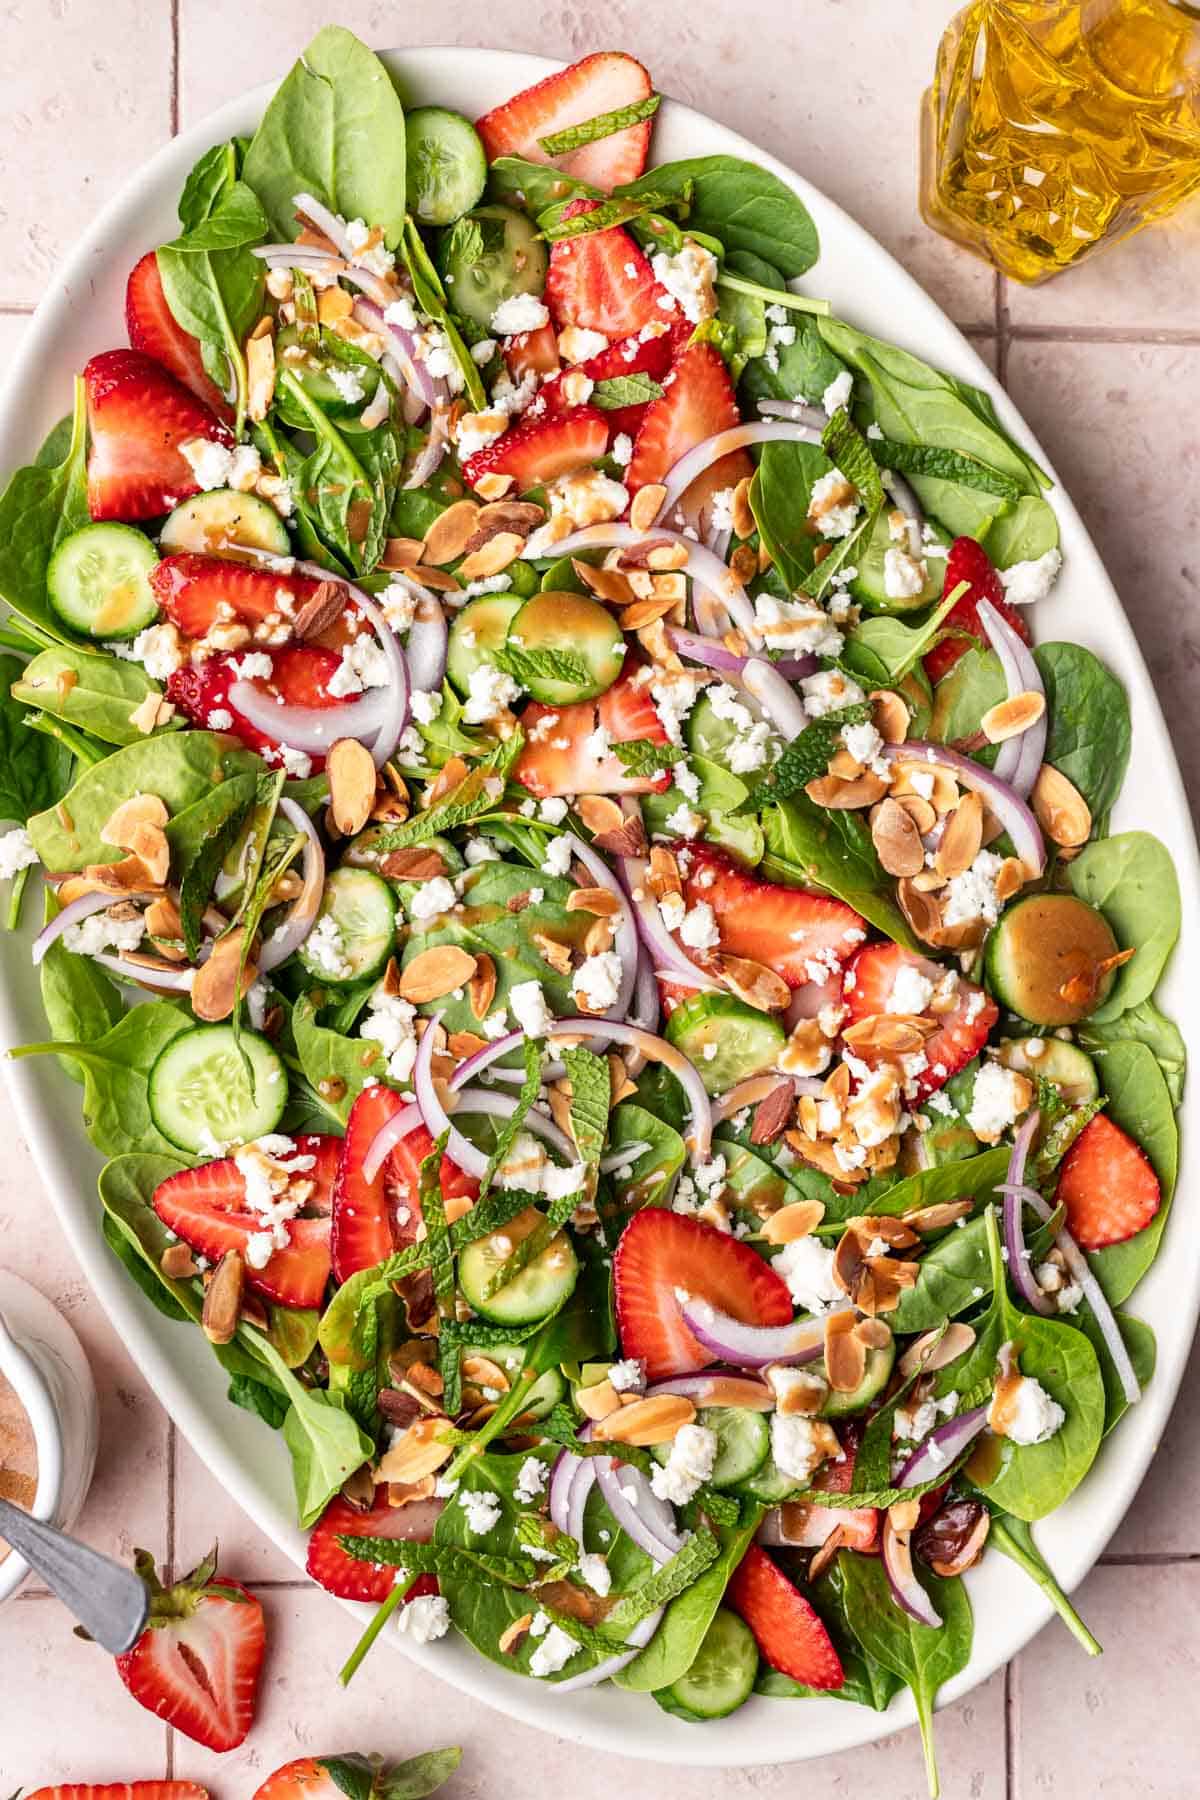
(110, 1602)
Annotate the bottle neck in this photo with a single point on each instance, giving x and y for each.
(1146, 47)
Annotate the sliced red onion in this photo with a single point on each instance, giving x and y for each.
(910, 506)
(566, 1466)
(907, 1591)
(397, 687)
(475, 1065)
(647, 1006)
(433, 450)
(1080, 1271)
(387, 1137)
(308, 257)
(502, 1106)
(752, 1346)
(661, 947)
(795, 668)
(638, 1638)
(1008, 806)
(648, 1520)
(380, 291)
(702, 565)
(331, 223)
(83, 908)
(657, 1050)
(705, 650)
(1020, 757)
(934, 1455)
(302, 916)
(165, 981)
(703, 984)
(416, 375)
(798, 411)
(625, 942)
(426, 645)
(712, 619)
(436, 1119)
(1014, 1237)
(714, 1388)
(723, 443)
(782, 705)
(311, 729)
(582, 1482)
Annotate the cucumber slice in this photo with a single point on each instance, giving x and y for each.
(769, 1484)
(513, 261)
(743, 1443)
(875, 1378)
(1069, 1068)
(361, 934)
(447, 165)
(572, 625)
(96, 581)
(200, 1088)
(726, 1039)
(869, 586)
(478, 631)
(710, 736)
(312, 371)
(538, 1290)
(1044, 959)
(724, 1669)
(221, 520)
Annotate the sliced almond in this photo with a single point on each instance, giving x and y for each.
(932, 1352)
(845, 796)
(845, 1352)
(667, 556)
(773, 1114)
(334, 303)
(740, 509)
(596, 900)
(177, 1262)
(598, 1401)
(162, 918)
(323, 608)
(149, 713)
(493, 485)
(450, 533)
(1061, 810)
(663, 877)
(138, 810)
(607, 584)
(962, 838)
(512, 1634)
(646, 505)
(826, 1552)
(494, 557)
(1010, 878)
(215, 988)
(938, 1216)
(260, 374)
(1009, 718)
(919, 811)
(795, 1221)
(481, 986)
(401, 553)
(754, 983)
(409, 1493)
(653, 1421)
(518, 516)
(149, 843)
(599, 936)
(876, 1334)
(418, 862)
(889, 715)
(484, 1373)
(919, 909)
(897, 840)
(557, 954)
(645, 612)
(619, 1085)
(743, 565)
(417, 1452)
(223, 1299)
(436, 972)
(351, 772)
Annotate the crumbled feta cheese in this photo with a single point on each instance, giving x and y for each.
(584, 497)
(425, 704)
(996, 1101)
(904, 576)
(553, 811)
(529, 1008)
(972, 895)
(576, 344)
(797, 1444)
(1026, 1414)
(326, 947)
(621, 449)
(598, 980)
(367, 248)
(874, 433)
(495, 1025)
(700, 930)
(674, 697)
(672, 908)
(866, 747)
(483, 352)
(403, 313)
(828, 692)
(520, 312)
(911, 991)
(481, 850)
(690, 277)
(160, 651)
(220, 719)
(686, 780)
(693, 1453)
(831, 508)
(595, 1573)
(916, 1418)
(481, 1508)
(489, 692)
(424, 1619)
(363, 665)
(531, 1478)
(294, 762)
(557, 860)
(684, 822)
(838, 392)
(348, 382)
(255, 665)
(217, 465)
(797, 625)
(807, 1267)
(628, 1376)
(389, 1022)
(1027, 582)
(554, 1652)
(16, 853)
(431, 898)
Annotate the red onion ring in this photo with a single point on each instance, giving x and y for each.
(433, 451)
(165, 981)
(661, 947)
(752, 1346)
(646, 1007)
(708, 651)
(658, 1050)
(416, 376)
(566, 1466)
(426, 645)
(907, 1591)
(638, 1638)
(303, 913)
(1081, 1271)
(398, 684)
(436, 1119)
(331, 223)
(1014, 1238)
(723, 443)
(306, 257)
(702, 565)
(1008, 806)
(625, 942)
(311, 729)
(379, 290)
(387, 1137)
(648, 1520)
(79, 909)
(782, 706)
(797, 411)
(948, 1442)
(1020, 757)
(483, 1059)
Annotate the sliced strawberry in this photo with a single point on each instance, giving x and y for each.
(698, 400)
(333, 1777)
(300, 675)
(559, 759)
(604, 83)
(197, 1663)
(860, 1528)
(197, 591)
(207, 1208)
(969, 562)
(632, 356)
(531, 353)
(603, 281)
(539, 449)
(659, 1252)
(345, 1575)
(307, 1778)
(152, 326)
(962, 1033)
(791, 930)
(1108, 1186)
(138, 415)
(788, 1632)
(121, 1790)
(371, 1219)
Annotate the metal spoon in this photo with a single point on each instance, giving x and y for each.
(110, 1602)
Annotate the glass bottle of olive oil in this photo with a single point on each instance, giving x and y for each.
(1056, 126)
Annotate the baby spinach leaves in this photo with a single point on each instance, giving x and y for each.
(346, 483)
(80, 1001)
(325, 1442)
(336, 1067)
(34, 769)
(806, 843)
(744, 206)
(1023, 532)
(1143, 1024)
(1140, 1103)
(674, 1646)
(116, 1075)
(1131, 879)
(42, 505)
(334, 129)
(1089, 732)
(1013, 1538)
(897, 646)
(779, 498)
(98, 693)
(236, 797)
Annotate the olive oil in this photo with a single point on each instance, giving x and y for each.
(1053, 128)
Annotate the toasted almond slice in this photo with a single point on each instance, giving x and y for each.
(1010, 878)
(754, 983)
(795, 1221)
(519, 516)
(223, 1299)
(845, 796)
(557, 954)
(667, 556)
(322, 609)
(481, 987)
(492, 558)
(599, 936)
(937, 1216)
(436, 972)
(1061, 810)
(663, 877)
(741, 512)
(897, 840)
(645, 612)
(149, 713)
(334, 303)
(417, 1452)
(962, 838)
(889, 715)
(743, 565)
(418, 862)
(216, 985)
(139, 809)
(919, 811)
(598, 1401)
(876, 1334)
(646, 506)
(512, 1634)
(450, 533)
(596, 900)
(401, 553)
(260, 372)
(1009, 718)
(607, 584)
(845, 1352)
(919, 909)
(904, 1514)
(932, 1352)
(485, 1373)
(653, 1421)
(177, 1262)
(149, 843)
(826, 1552)
(408, 1493)
(351, 772)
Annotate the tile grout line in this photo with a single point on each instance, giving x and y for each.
(174, 104)
(1101, 334)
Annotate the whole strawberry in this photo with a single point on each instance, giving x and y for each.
(360, 1777)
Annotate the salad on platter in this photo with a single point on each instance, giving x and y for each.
(584, 920)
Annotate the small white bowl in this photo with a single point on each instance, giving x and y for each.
(44, 1363)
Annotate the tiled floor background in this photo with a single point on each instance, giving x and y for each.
(1106, 367)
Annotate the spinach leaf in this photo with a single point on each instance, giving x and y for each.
(923, 1657)
(325, 1443)
(432, 299)
(334, 129)
(217, 296)
(34, 770)
(336, 1067)
(257, 1398)
(179, 767)
(346, 483)
(42, 505)
(1089, 732)
(867, 1682)
(116, 1077)
(1022, 532)
(234, 218)
(779, 499)
(1140, 1103)
(200, 873)
(535, 186)
(648, 1180)
(135, 1267)
(473, 796)
(961, 697)
(97, 692)
(743, 316)
(1132, 879)
(808, 844)
(744, 206)
(897, 646)
(1142, 1346)
(137, 1234)
(672, 1650)
(80, 1001)
(801, 370)
(1013, 1538)
(1143, 1024)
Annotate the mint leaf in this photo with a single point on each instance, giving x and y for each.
(439, 1559)
(476, 793)
(847, 448)
(805, 759)
(618, 211)
(699, 1552)
(624, 390)
(542, 665)
(531, 1247)
(591, 1094)
(642, 756)
(590, 131)
(945, 465)
(507, 1137)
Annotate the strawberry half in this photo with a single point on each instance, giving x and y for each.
(784, 928)
(207, 1208)
(121, 1790)
(197, 591)
(542, 448)
(697, 401)
(371, 1219)
(197, 1663)
(531, 353)
(631, 356)
(365, 1778)
(603, 281)
(300, 675)
(660, 1251)
(788, 1632)
(598, 84)
(870, 978)
(138, 415)
(152, 326)
(969, 562)
(345, 1575)
(1108, 1186)
(558, 759)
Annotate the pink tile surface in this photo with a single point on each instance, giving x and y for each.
(89, 83)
